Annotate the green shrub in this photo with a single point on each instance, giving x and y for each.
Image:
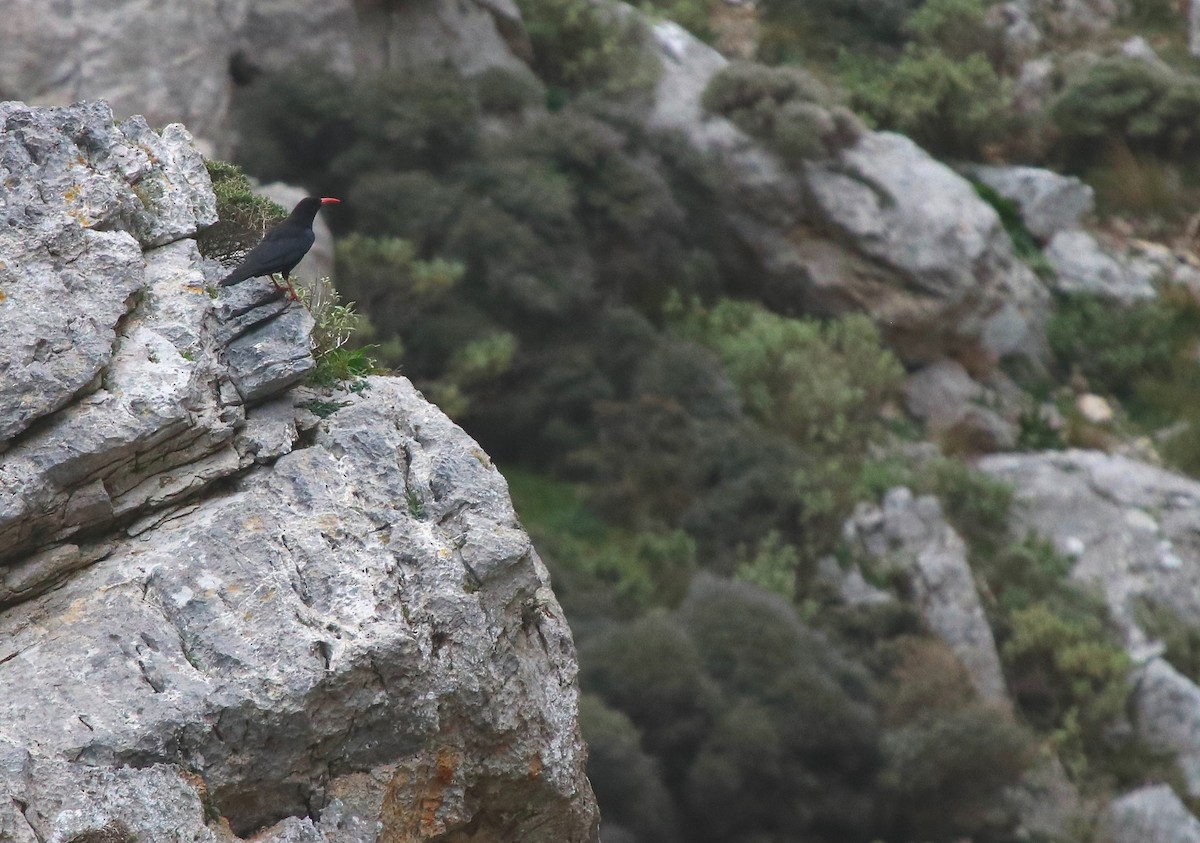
(785, 107)
(243, 217)
(946, 772)
(1114, 346)
(952, 107)
(626, 780)
(802, 28)
(773, 567)
(1132, 101)
(821, 385)
(583, 46)
(338, 355)
(978, 506)
(508, 90)
(957, 27)
(651, 671)
(1068, 675)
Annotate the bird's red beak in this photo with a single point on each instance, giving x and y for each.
(329, 200)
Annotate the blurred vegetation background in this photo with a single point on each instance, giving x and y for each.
(684, 456)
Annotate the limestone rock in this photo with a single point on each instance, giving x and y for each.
(81, 193)
(1167, 715)
(1048, 202)
(911, 534)
(1129, 525)
(949, 277)
(199, 50)
(362, 622)
(350, 639)
(1131, 529)
(955, 409)
(882, 228)
(1150, 813)
(1081, 265)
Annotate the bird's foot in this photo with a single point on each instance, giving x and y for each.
(286, 285)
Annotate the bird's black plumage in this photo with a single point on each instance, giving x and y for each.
(283, 247)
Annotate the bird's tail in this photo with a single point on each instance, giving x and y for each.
(236, 277)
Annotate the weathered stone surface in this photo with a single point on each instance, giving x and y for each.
(1129, 525)
(1081, 265)
(1131, 528)
(937, 269)
(363, 616)
(882, 229)
(1048, 202)
(911, 534)
(1168, 716)
(177, 60)
(80, 193)
(352, 641)
(1149, 813)
(955, 409)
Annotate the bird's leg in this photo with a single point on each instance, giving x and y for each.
(286, 285)
(291, 290)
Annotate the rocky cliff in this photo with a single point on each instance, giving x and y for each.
(230, 606)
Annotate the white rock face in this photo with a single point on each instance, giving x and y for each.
(912, 534)
(1131, 529)
(1149, 813)
(882, 229)
(349, 639)
(950, 276)
(1081, 265)
(1048, 202)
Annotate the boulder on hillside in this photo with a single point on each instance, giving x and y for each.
(910, 534)
(881, 228)
(1131, 529)
(1048, 202)
(231, 607)
(1149, 813)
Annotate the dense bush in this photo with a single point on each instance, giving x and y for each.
(952, 107)
(784, 107)
(1132, 101)
(1112, 345)
(815, 27)
(626, 780)
(580, 47)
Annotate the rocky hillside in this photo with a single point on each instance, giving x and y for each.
(231, 606)
(848, 391)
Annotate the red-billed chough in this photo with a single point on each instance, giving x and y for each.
(283, 247)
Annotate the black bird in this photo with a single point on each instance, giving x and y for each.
(283, 247)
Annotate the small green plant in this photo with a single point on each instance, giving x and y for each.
(336, 360)
(1114, 346)
(978, 506)
(1069, 676)
(416, 503)
(243, 216)
(1023, 241)
(1130, 101)
(772, 567)
(323, 409)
